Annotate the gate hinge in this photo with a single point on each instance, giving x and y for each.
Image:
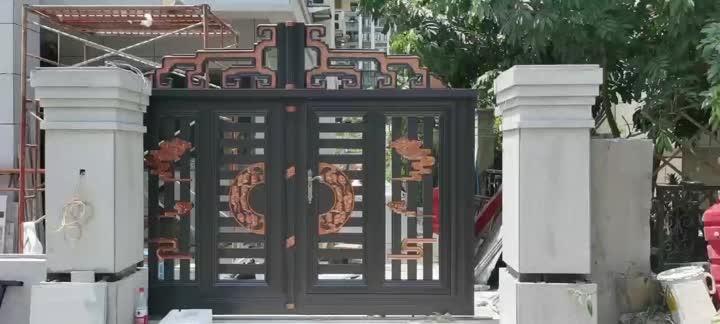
(290, 242)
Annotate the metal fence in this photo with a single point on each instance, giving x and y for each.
(489, 182)
(676, 223)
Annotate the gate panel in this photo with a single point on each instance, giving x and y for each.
(231, 176)
(173, 180)
(374, 244)
(242, 199)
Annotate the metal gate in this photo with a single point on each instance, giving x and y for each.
(275, 195)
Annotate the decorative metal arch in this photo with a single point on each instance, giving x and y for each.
(194, 67)
(343, 64)
(349, 67)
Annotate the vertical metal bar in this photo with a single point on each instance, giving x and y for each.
(205, 25)
(427, 185)
(313, 162)
(151, 143)
(463, 233)
(169, 199)
(412, 200)
(444, 182)
(185, 196)
(374, 198)
(303, 226)
(283, 54)
(396, 231)
(274, 156)
(372, 33)
(360, 31)
(660, 218)
(58, 49)
(36, 164)
(290, 125)
(222, 35)
(291, 55)
(206, 213)
(23, 129)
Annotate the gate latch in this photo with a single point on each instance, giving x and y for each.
(310, 180)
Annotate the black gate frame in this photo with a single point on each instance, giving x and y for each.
(288, 101)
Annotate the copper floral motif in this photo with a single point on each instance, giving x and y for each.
(160, 161)
(412, 249)
(344, 199)
(168, 249)
(240, 192)
(422, 159)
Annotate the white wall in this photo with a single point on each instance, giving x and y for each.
(10, 49)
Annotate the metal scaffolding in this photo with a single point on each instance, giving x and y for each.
(80, 23)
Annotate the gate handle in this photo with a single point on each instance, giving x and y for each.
(310, 180)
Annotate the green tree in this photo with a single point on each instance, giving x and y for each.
(710, 47)
(648, 49)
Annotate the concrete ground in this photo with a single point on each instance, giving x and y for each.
(485, 313)
(347, 320)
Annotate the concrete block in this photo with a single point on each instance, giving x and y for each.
(111, 238)
(546, 230)
(122, 296)
(546, 303)
(69, 303)
(82, 276)
(188, 316)
(622, 191)
(93, 122)
(95, 302)
(31, 270)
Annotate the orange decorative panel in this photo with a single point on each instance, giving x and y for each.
(422, 159)
(342, 65)
(160, 161)
(195, 66)
(411, 248)
(344, 199)
(239, 195)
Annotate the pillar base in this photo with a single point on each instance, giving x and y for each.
(87, 302)
(541, 302)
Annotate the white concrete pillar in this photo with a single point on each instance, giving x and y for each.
(93, 123)
(546, 192)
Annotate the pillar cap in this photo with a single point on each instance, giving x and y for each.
(547, 96)
(91, 98)
(56, 86)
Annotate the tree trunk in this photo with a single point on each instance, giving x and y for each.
(607, 106)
